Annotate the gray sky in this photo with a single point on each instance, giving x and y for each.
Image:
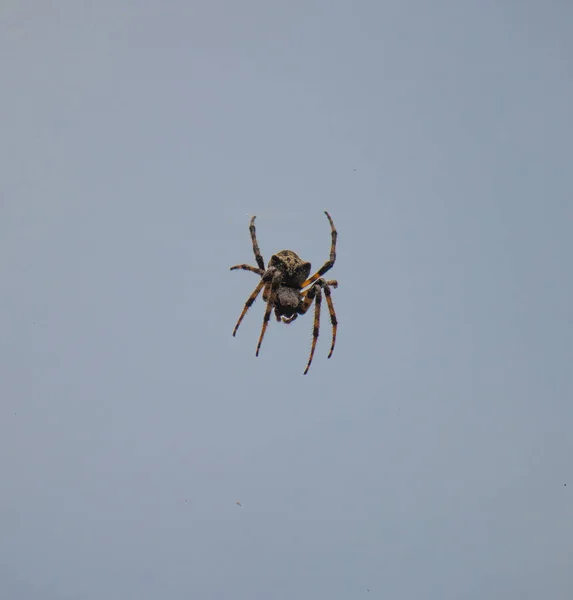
(431, 456)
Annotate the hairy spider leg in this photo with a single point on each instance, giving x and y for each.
(260, 272)
(316, 326)
(330, 262)
(249, 303)
(256, 250)
(315, 293)
(274, 286)
(331, 312)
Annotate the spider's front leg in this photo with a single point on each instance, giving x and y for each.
(257, 252)
(330, 262)
(258, 256)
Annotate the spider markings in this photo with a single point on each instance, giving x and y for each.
(283, 284)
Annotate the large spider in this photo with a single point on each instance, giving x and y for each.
(283, 284)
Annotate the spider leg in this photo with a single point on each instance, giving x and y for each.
(330, 262)
(256, 270)
(308, 300)
(274, 285)
(331, 311)
(257, 252)
(310, 295)
(316, 327)
(249, 303)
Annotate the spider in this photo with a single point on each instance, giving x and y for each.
(283, 283)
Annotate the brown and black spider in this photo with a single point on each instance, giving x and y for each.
(283, 283)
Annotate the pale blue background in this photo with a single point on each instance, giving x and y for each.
(428, 458)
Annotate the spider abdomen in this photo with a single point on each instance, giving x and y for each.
(288, 300)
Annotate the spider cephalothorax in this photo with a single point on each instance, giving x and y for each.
(285, 284)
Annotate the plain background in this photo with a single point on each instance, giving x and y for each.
(431, 456)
